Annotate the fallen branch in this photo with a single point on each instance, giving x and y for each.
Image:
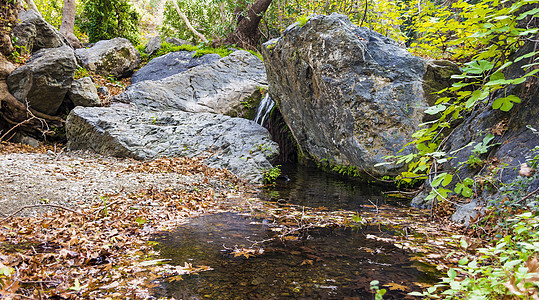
(528, 196)
(43, 205)
(16, 125)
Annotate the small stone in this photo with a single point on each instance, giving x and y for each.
(153, 45)
(84, 93)
(103, 90)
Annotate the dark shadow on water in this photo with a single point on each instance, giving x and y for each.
(308, 186)
(327, 264)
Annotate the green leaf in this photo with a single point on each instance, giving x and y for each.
(526, 56)
(518, 80)
(529, 31)
(153, 262)
(460, 84)
(77, 287)
(464, 244)
(489, 137)
(452, 273)
(477, 95)
(467, 192)
(529, 12)
(447, 179)
(478, 67)
(505, 103)
(507, 64)
(6, 271)
(442, 178)
(435, 109)
(532, 73)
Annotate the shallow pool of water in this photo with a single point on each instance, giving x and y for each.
(326, 264)
(308, 186)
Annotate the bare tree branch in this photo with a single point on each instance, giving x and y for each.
(187, 23)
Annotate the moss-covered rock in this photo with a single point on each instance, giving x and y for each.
(116, 57)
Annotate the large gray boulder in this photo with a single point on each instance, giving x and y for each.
(171, 64)
(349, 95)
(239, 145)
(84, 93)
(221, 87)
(34, 33)
(45, 79)
(116, 57)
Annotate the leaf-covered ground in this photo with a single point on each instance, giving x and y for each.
(101, 248)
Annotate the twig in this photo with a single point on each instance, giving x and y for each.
(43, 205)
(41, 282)
(401, 192)
(18, 124)
(23, 296)
(364, 13)
(375, 206)
(528, 196)
(107, 206)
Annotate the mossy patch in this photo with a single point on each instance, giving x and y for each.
(248, 107)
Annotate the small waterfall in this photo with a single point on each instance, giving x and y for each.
(263, 110)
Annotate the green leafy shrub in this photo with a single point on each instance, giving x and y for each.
(200, 50)
(510, 268)
(107, 19)
(271, 174)
(81, 72)
(222, 51)
(302, 20)
(485, 33)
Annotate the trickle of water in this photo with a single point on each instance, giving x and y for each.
(264, 109)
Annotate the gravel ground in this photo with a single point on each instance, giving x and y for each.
(72, 178)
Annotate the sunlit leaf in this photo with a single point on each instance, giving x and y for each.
(505, 103)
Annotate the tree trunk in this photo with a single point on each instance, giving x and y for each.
(32, 5)
(68, 23)
(187, 23)
(8, 19)
(247, 34)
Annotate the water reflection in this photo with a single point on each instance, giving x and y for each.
(308, 186)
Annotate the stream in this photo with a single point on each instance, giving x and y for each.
(326, 263)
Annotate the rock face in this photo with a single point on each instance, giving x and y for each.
(45, 79)
(219, 87)
(84, 93)
(239, 145)
(116, 57)
(349, 95)
(34, 33)
(176, 41)
(153, 45)
(171, 64)
(438, 77)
